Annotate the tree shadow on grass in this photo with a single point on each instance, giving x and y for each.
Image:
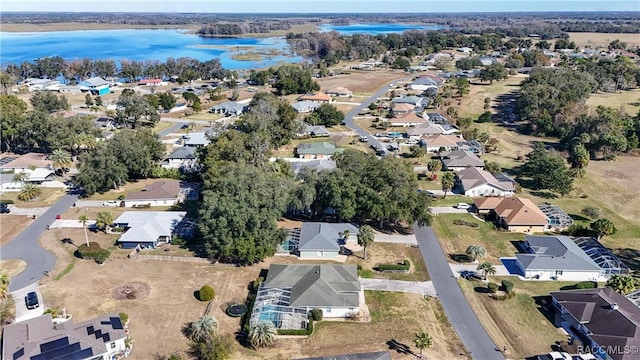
(481, 289)
(577, 217)
(631, 257)
(544, 194)
(460, 258)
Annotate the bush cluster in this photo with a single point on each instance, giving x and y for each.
(316, 314)
(466, 223)
(586, 285)
(206, 293)
(504, 296)
(93, 251)
(506, 286)
(218, 97)
(493, 287)
(395, 267)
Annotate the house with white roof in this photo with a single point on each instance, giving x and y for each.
(147, 229)
(323, 240)
(229, 108)
(183, 158)
(474, 182)
(303, 107)
(96, 86)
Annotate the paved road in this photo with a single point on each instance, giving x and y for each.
(172, 129)
(26, 246)
(447, 210)
(415, 287)
(348, 118)
(458, 311)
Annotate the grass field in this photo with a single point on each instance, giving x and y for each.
(594, 40)
(361, 82)
(12, 225)
(473, 103)
(629, 101)
(519, 324)
(49, 197)
(384, 253)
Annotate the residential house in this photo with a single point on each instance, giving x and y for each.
(35, 168)
(148, 229)
(9, 182)
(399, 109)
(416, 133)
(317, 150)
(152, 82)
(602, 320)
(229, 108)
(314, 130)
(464, 49)
(415, 101)
(474, 182)
(378, 355)
(159, 193)
(304, 107)
(488, 60)
(318, 97)
(435, 143)
(70, 89)
(457, 160)
(34, 84)
(323, 240)
(183, 158)
(423, 83)
(289, 292)
(198, 138)
(408, 119)
(317, 165)
(339, 91)
(514, 213)
(556, 258)
(95, 86)
(26, 162)
(104, 122)
(102, 338)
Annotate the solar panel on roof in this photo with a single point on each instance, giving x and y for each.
(98, 334)
(48, 346)
(106, 337)
(116, 323)
(90, 330)
(58, 353)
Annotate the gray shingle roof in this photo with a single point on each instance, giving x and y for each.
(148, 226)
(319, 165)
(323, 236)
(460, 158)
(317, 285)
(472, 177)
(229, 107)
(314, 148)
(185, 152)
(302, 106)
(555, 253)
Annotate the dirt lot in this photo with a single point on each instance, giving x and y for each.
(603, 39)
(12, 225)
(12, 267)
(361, 82)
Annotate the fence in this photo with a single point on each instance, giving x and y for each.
(136, 256)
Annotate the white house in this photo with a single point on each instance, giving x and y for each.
(102, 338)
(303, 107)
(229, 108)
(41, 84)
(181, 158)
(556, 258)
(474, 182)
(160, 193)
(440, 141)
(323, 240)
(147, 229)
(153, 82)
(408, 119)
(290, 292)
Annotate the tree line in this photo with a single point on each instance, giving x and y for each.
(240, 28)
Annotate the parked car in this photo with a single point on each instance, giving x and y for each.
(31, 300)
(111, 203)
(4, 208)
(463, 206)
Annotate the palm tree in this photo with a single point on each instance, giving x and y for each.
(29, 192)
(346, 234)
(423, 341)
(487, 268)
(83, 219)
(365, 238)
(263, 334)
(476, 252)
(447, 181)
(60, 159)
(4, 285)
(104, 219)
(203, 328)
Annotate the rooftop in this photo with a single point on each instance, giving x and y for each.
(472, 177)
(313, 148)
(315, 97)
(409, 117)
(148, 226)
(460, 158)
(514, 210)
(185, 152)
(441, 140)
(555, 253)
(323, 236)
(27, 160)
(162, 189)
(306, 105)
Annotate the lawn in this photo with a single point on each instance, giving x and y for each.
(456, 238)
(386, 253)
(11, 226)
(628, 100)
(474, 101)
(517, 323)
(594, 40)
(49, 197)
(203, 116)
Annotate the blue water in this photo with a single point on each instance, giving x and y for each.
(134, 45)
(374, 29)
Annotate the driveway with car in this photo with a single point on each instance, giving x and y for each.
(22, 313)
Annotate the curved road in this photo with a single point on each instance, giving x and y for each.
(26, 246)
(464, 320)
(348, 118)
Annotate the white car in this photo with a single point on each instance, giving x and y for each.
(111, 203)
(463, 206)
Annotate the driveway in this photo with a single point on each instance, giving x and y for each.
(26, 246)
(27, 211)
(22, 313)
(415, 287)
(447, 210)
(349, 121)
(501, 270)
(464, 321)
(92, 203)
(395, 238)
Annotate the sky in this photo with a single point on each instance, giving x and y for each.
(315, 6)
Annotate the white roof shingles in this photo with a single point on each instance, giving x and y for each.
(472, 177)
(555, 253)
(148, 226)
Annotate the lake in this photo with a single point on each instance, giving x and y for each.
(152, 44)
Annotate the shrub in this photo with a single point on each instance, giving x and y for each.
(93, 251)
(206, 293)
(586, 285)
(504, 296)
(6, 201)
(395, 267)
(218, 97)
(592, 212)
(53, 312)
(316, 314)
(256, 284)
(466, 223)
(493, 287)
(123, 318)
(507, 286)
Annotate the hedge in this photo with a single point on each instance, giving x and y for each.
(206, 293)
(93, 251)
(507, 286)
(586, 285)
(402, 267)
(251, 298)
(300, 332)
(466, 223)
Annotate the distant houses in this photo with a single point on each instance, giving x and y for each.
(317, 150)
(152, 82)
(339, 91)
(318, 97)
